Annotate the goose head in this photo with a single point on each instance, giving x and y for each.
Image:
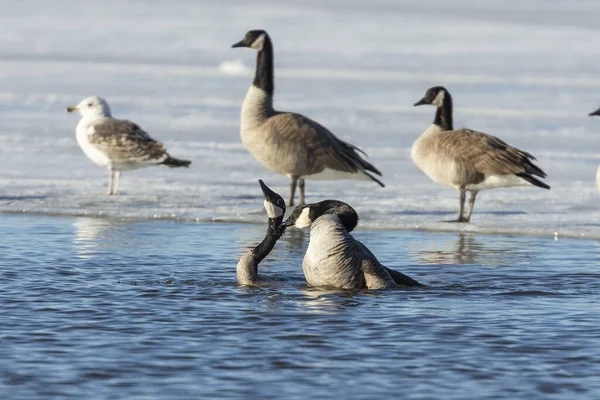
(254, 39)
(274, 204)
(434, 96)
(303, 216)
(91, 107)
(597, 112)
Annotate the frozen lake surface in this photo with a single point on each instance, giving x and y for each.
(524, 71)
(151, 309)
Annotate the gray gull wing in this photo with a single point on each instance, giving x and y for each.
(123, 140)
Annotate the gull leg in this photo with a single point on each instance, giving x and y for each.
(117, 177)
(292, 190)
(111, 174)
(471, 204)
(301, 186)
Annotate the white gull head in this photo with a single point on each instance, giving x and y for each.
(91, 107)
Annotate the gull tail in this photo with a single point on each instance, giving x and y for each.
(173, 162)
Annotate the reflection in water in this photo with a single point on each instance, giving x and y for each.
(293, 242)
(92, 234)
(466, 249)
(327, 301)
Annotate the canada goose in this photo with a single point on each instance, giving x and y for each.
(468, 160)
(247, 267)
(289, 143)
(334, 258)
(597, 112)
(117, 144)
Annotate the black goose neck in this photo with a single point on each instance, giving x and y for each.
(264, 68)
(345, 213)
(265, 247)
(349, 219)
(443, 115)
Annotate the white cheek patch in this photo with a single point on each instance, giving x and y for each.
(272, 210)
(439, 99)
(303, 221)
(259, 42)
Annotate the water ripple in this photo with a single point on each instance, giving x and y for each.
(148, 310)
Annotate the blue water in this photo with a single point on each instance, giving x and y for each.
(96, 308)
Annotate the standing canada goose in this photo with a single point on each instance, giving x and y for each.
(468, 160)
(334, 258)
(247, 267)
(117, 144)
(289, 143)
(597, 112)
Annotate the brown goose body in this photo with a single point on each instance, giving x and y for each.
(468, 160)
(290, 143)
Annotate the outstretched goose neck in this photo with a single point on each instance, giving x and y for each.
(265, 247)
(264, 68)
(247, 268)
(443, 115)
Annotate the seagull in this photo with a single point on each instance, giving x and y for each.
(117, 144)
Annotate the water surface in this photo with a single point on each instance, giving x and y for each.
(100, 308)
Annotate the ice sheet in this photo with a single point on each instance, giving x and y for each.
(524, 72)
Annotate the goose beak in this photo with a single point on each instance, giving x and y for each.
(267, 192)
(239, 44)
(287, 223)
(597, 112)
(421, 102)
(72, 109)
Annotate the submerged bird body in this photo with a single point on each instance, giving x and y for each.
(468, 160)
(247, 266)
(117, 144)
(289, 143)
(334, 258)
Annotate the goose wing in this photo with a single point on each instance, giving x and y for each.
(376, 275)
(124, 140)
(323, 148)
(488, 154)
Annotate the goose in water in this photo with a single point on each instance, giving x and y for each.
(334, 258)
(597, 112)
(468, 160)
(289, 143)
(117, 144)
(247, 267)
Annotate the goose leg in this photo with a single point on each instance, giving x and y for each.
(110, 181)
(117, 177)
(461, 208)
(471, 204)
(301, 186)
(292, 190)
